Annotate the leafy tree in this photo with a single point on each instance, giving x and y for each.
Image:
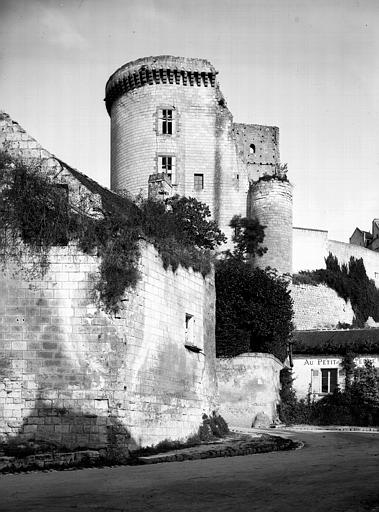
(248, 237)
(253, 306)
(364, 394)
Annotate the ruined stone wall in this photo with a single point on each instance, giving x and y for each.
(258, 147)
(74, 376)
(271, 203)
(249, 386)
(19, 144)
(319, 307)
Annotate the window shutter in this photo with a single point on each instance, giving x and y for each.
(173, 170)
(333, 379)
(324, 381)
(160, 123)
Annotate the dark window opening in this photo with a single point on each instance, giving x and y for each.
(166, 164)
(189, 329)
(252, 149)
(198, 181)
(166, 121)
(329, 380)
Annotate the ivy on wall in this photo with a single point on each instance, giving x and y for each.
(253, 306)
(38, 211)
(350, 282)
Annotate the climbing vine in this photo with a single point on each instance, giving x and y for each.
(350, 282)
(253, 306)
(38, 212)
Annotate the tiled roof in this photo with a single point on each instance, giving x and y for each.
(319, 342)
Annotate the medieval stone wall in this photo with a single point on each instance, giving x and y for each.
(74, 376)
(319, 307)
(249, 386)
(271, 203)
(311, 247)
(370, 258)
(201, 144)
(203, 141)
(258, 147)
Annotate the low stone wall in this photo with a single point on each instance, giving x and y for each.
(74, 377)
(319, 307)
(249, 388)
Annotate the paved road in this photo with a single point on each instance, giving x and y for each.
(334, 472)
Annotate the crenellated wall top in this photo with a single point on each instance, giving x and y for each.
(162, 69)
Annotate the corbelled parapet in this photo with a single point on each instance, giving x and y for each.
(163, 69)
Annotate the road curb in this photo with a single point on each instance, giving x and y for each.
(273, 444)
(327, 428)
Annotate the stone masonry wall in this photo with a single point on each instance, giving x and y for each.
(370, 258)
(249, 386)
(271, 203)
(258, 147)
(319, 307)
(74, 376)
(311, 247)
(19, 144)
(202, 142)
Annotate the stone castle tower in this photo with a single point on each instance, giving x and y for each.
(168, 115)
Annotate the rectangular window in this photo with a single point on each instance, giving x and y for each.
(166, 164)
(198, 181)
(165, 121)
(329, 380)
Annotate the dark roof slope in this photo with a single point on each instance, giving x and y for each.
(362, 341)
(110, 200)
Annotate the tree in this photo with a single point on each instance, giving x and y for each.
(248, 237)
(184, 218)
(191, 219)
(364, 393)
(253, 306)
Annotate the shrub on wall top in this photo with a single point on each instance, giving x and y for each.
(350, 282)
(38, 211)
(253, 306)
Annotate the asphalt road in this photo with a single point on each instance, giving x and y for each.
(334, 472)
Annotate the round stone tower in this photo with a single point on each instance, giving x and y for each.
(270, 201)
(162, 112)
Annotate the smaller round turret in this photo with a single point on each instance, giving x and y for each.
(270, 201)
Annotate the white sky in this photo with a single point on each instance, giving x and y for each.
(310, 67)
